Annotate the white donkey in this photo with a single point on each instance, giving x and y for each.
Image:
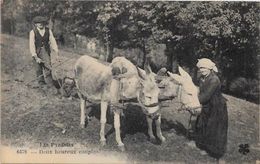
(101, 83)
(181, 87)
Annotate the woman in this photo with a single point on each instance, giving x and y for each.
(212, 123)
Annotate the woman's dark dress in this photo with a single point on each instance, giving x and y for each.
(212, 123)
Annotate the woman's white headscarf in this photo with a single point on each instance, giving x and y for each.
(207, 63)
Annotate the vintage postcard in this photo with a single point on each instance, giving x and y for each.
(129, 82)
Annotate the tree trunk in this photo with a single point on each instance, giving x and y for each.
(144, 52)
(110, 49)
(51, 24)
(172, 62)
(110, 54)
(12, 23)
(218, 54)
(75, 41)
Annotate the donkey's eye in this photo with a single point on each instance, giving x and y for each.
(149, 97)
(162, 87)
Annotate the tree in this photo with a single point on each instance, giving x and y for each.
(108, 17)
(226, 32)
(11, 12)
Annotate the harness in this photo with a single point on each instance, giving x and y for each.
(154, 115)
(190, 110)
(119, 106)
(66, 91)
(152, 105)
(183, 106)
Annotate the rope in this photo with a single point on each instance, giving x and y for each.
(26, 84)
(50, 69)
(189, 125)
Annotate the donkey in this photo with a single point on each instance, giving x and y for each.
(97, 82)
(181, 87)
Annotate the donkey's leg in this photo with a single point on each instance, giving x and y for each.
(158, 129)
(103, 120)
(117, 130)
(82, 111)
(150, 128)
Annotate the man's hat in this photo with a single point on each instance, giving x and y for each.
(39, 19)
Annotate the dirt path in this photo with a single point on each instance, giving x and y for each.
(30, 117)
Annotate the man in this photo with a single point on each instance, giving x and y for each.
(41, 41)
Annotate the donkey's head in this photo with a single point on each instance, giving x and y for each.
(149, 91)
(181, 86)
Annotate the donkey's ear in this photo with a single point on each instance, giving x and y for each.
(184, 74)
(141, 74)
(176, 77)
(147, 69)
(147, 66)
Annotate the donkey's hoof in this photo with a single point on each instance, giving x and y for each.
(103, 143)
(82, 125)
(121, 148)
(163, 139)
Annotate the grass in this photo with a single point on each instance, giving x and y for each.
(28, 118)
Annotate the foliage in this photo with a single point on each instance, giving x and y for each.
(246, 88)
(226, 32)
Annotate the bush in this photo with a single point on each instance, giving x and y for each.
(22, 29)
(135, 55)
(245, 88)
(157, 54)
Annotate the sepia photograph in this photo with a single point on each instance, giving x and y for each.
(130, 81)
